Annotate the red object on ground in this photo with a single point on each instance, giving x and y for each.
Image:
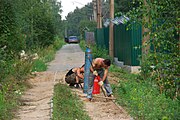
(96, 86)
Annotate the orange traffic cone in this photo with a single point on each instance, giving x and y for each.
(96, 86)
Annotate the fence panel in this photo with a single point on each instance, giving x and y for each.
(106, 38)
(99, 33)
(136, 44)
(127, 42)
(116, 40)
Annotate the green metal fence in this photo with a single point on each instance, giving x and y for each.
(106, 38)
(127, 42)
(102, 38)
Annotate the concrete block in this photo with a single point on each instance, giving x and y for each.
(131, 69)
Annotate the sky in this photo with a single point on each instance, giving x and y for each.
(70, 5)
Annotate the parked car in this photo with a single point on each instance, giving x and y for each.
(73, 39)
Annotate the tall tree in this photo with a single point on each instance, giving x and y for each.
(27, 24)
(40, 21)
(74, 18)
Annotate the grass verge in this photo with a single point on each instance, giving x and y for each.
(46, 55)
(67, 106)
(141, 99)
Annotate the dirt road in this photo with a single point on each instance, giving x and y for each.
(36, 101)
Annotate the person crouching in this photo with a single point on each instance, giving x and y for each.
(75, 76)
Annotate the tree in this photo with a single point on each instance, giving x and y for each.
(26, 24)
(74, 19)
(161, 61)
(40, 21)
(124, 6)
(10, 38)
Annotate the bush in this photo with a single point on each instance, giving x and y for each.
(96, 51)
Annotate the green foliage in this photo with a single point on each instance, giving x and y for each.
(114, 68)
(5, 68)
(96, 51)
(39, 66)
(164, 73)
(144, 101)
(10, 91)
(86, 25)
(67, 106)
(10, 38)
(124, 6)
(161, 61)
(75, 20)
(3, 107)
(99, 52)
(83, 45)
(26, 25)
(46, 55)
(14, 74)
(58, 43)
(141, 99)
(41, 22)
(22, 69)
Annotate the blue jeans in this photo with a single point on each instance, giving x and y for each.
(106, 84)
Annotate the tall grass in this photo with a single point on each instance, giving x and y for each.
(67, 106)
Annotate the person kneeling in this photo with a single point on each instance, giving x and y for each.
(75, 76)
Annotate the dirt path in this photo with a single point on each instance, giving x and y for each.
(36, 101)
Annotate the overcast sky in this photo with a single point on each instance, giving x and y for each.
(70, 5)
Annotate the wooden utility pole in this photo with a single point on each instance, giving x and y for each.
(95, 10)
(99, 14)
(111, 37)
